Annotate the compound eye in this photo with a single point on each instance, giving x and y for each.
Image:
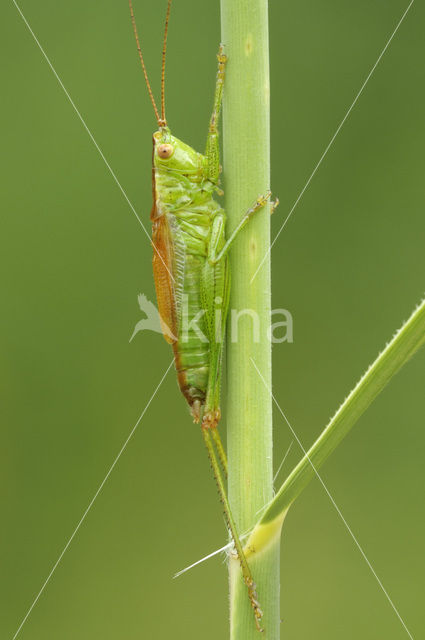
(165, 150)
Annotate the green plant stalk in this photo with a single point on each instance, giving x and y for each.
(405, 343)
(246, 144)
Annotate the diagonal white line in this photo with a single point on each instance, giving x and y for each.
(229, 545)
(91, 502)
(111, 171)
(341, 124)
(334, 503)
(226, 547)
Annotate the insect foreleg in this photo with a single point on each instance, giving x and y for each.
(212, 149)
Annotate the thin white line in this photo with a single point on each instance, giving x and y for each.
(210, 555)
(333, 502)
(226, 547)
(283, 462)
(91, 503)
(230, 544)
(332, 139)
(111, 171)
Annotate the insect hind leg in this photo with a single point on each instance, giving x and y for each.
(210, 421)
(246, 571)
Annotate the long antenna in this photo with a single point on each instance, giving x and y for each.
(145, 73)
(164, 51)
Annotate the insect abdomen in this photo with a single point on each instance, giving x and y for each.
(191, 350)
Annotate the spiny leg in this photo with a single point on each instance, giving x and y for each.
(213, 398)
(210, 433)
(214, 292)
(214, 431)
(246, 572)
(220, 449)
(210, 422)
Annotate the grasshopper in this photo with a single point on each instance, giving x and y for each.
(190, 264)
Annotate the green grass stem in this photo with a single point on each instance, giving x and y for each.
(249, 406)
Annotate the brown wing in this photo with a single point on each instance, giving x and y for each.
(163, 261)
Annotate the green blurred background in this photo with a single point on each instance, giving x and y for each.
(349, 266)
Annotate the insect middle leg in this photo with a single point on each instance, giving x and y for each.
(216, 257)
